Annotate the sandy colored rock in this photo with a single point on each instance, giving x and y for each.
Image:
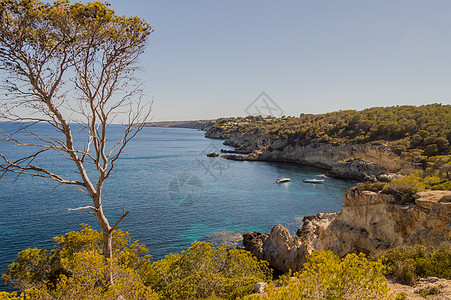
(357, 161)
(367, 222)
(259, 287)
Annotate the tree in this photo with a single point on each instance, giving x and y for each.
(69, 63)
(204, 270)
(326, 276)
(74, 269)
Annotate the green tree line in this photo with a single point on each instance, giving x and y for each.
(405, 128)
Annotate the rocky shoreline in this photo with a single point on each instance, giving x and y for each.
(367, 222)
(351, 161)
(197, 124)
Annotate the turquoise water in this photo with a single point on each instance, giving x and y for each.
(175, 195)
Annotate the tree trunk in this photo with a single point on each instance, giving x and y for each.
(107, 234)
(107, 244)
(108, 254)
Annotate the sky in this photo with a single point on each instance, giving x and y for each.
(208, 59)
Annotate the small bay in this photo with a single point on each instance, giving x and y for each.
(174, 192)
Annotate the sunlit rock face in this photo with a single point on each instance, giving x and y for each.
(356, 161)
(367, 222)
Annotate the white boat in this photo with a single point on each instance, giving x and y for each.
(282, 180)
(313, 180)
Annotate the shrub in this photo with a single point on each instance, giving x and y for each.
(443, 185)
(203, 271)
(75, 269)
(430, 291)
(409, 263)
(404, 188)
(326, 276)
(370, 186)
(37, 267)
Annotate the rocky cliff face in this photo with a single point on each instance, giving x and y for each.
(367, 222)
(356, 161)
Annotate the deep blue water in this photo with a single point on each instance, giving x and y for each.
(175, 195)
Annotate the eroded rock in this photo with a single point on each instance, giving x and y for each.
(356, 161)
(367, 222)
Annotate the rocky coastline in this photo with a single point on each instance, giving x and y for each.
(197, 124)
(367, 222)
(351, 161)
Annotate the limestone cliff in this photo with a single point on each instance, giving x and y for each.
(367, 222)
(356, 161)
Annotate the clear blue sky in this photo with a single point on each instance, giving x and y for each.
(209, 59)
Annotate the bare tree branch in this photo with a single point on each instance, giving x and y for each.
(118, 221)
(83, 207)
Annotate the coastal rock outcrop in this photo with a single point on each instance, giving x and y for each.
(356, 161)
(279, 247)
(367, 222)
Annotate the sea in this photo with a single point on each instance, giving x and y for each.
(174, 193)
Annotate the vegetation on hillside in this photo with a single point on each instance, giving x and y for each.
(76, 269)
(326, 276)
(405, 188)
(409, 263)
(426, 129)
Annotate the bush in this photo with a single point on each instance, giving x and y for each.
(326, 276)
(76, 269)
(407, 264)
(204, 270)
(370, 186)
(430, 291)
(404, 188)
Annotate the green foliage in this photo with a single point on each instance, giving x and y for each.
(326, 276)
(420, 135)
(401, 296)
(430, 291)
(76, 269)
(404, 188)
(75, 266)
(89, 279)
(409, 263)
(204, 270)
(370, 186)
(35, 268)
(406, 128)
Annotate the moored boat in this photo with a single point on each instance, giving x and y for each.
(313, 180)
(282, 180)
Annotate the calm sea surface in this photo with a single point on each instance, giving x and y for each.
(175, 195)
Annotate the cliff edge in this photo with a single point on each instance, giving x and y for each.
(367, 222)
(354, 161)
